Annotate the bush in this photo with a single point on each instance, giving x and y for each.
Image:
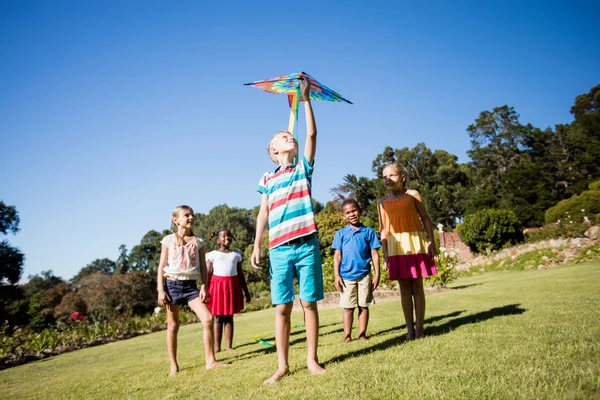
(490, 229)
(594, 185)
(445, 264)
(577, 207)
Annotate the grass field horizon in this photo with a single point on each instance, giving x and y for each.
(507, 334)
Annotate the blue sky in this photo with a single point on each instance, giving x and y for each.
(112, 113)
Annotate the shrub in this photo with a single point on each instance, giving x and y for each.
(445, 263)
(577, 207)
(490, 229)
(594, 185)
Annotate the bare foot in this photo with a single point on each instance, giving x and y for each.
(215, 364)
(419, 334)
(174, 370)
(347, 339)
(276, 376)
(217, 350)
(363, 338)
(410, 336)
(229, 349)
(315, 368)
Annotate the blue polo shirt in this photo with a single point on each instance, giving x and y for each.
(356, 246)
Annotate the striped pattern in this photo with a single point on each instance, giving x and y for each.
(406, 240)
(290, 205)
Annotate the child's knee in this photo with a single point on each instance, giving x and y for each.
(309, 305)
(173, 326)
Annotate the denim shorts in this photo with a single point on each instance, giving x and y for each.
(182, 292)
(301, 259)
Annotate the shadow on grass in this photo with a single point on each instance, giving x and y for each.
(427, 321)
(464, 286)
(511, 309)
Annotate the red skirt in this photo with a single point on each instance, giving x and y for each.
(411, 266)
(225, 295)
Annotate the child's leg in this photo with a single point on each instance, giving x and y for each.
(311, 321)
(218, 332)
(206, 318)
(348, 321)
(419, 296)
(407, 305)
(228, 322)
(283, 327)
(363, 322)
(172, 330)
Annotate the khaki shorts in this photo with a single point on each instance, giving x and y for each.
(357, 293)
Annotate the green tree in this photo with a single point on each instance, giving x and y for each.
(238, 220)
(146, 255)
(102, 265)
(122, 265)
(38, 283)
(12, 301)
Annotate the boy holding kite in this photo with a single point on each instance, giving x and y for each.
(286, 204)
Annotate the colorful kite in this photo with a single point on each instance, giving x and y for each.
(290, 85)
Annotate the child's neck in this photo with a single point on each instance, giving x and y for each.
(355, 227)
(398, 192)
(286, 159)
(224, 249)
(183, 232)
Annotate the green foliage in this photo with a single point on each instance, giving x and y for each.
(103, 265)
(328, 275)
(146, 255)
(576, 208)
(527, 261)
(567, 228)
(594, 185)
(9, 218)
(328, 224)
(490, 229)
(445, 263)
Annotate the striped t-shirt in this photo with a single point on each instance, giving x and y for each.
(290, 204)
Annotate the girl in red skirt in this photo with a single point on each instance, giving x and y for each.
(226, 282)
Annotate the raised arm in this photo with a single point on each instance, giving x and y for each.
(311, 127)
(261, 222)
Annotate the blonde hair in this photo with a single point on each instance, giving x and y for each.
(270, 146)
(398, 168)
(176, 211)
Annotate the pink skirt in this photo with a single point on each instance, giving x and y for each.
(409, 266)
(225, 295)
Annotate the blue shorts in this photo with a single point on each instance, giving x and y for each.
(301, 259)
(182, 292)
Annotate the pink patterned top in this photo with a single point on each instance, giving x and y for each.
(183, 260)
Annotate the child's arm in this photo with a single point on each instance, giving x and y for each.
(338, 281)
(203, 274)
(311, 127)
(163, 297)
(209, 272)
(375, 259)
(261, 222)
(243, 283)
(431, 248)
(383, 232)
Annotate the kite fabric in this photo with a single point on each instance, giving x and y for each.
(290, 86)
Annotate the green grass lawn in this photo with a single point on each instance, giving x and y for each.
(499, 335)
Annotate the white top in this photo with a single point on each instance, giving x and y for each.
(224, 264)
(183, 260)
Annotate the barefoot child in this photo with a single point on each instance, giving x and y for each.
(226, 282)
(181, 266)
(286, 204)
(408, 245)
(355, 246)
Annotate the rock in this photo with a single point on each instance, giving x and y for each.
(593, 232)
(541, 266)
(545, 258)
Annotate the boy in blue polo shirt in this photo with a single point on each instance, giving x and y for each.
(355, 246)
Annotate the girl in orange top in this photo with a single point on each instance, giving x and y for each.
(408, 245)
